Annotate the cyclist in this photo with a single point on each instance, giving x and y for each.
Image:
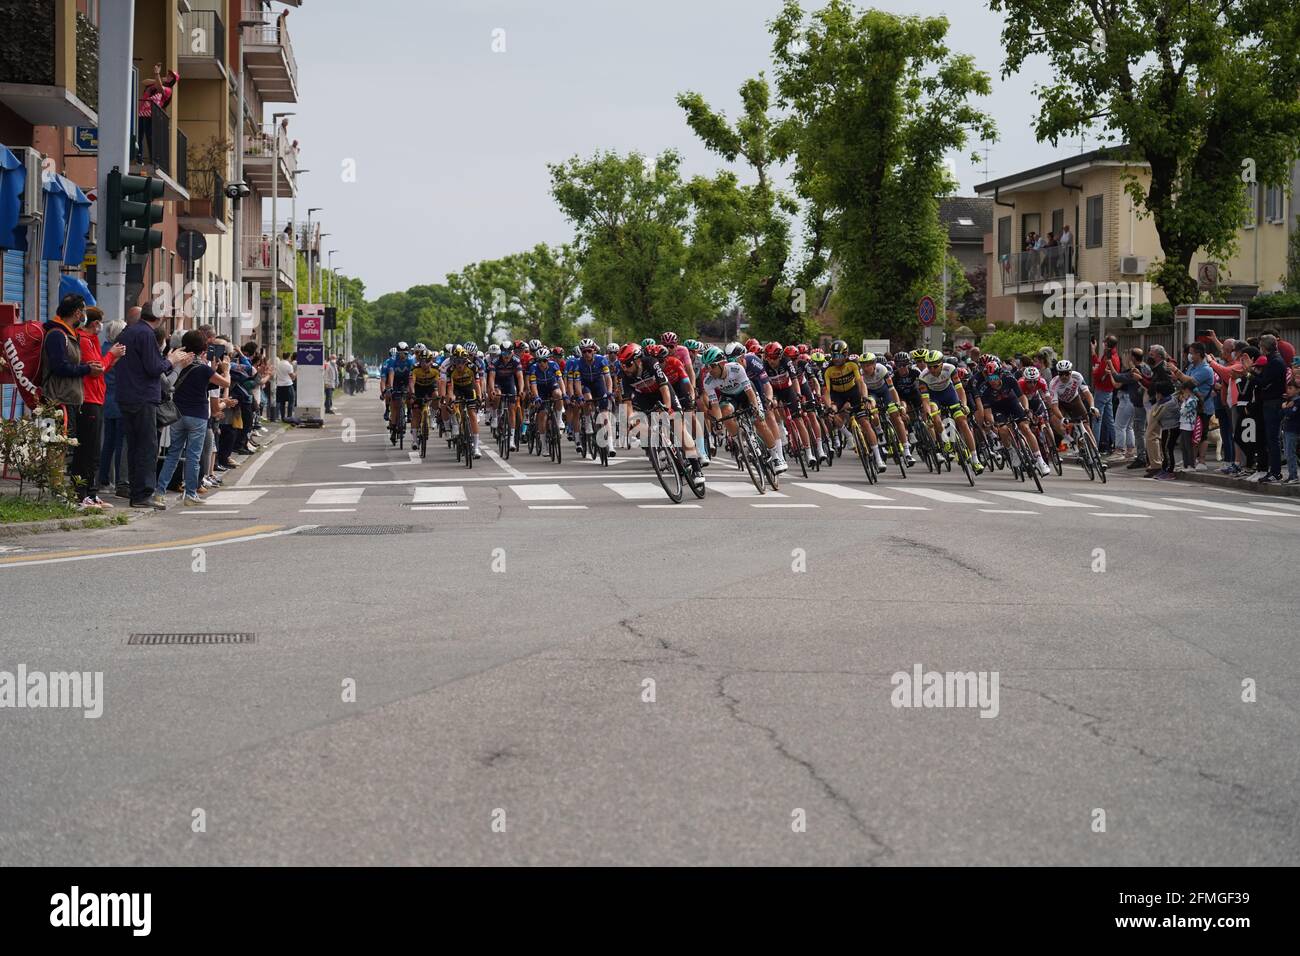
(646, 384)
(842, 387)
(725, 385)
(879, 380)
(786, 381)
(424, 386)
(460, 379)
(1068, 395)
(751, 361)
(545, 384)
(593, 384)
(396, 383)
(505, 382)
(1002, 400)
(942, 390)
(907, 380)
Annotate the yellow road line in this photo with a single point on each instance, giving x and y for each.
(201, 539)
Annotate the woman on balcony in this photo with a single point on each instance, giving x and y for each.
(157, 95)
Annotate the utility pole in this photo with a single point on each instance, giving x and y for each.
(275, 229)
(307, 247)
(237, 317)
(293, 220)
(116, 31)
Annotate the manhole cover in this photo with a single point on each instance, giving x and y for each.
(211, 638)
(363, 529)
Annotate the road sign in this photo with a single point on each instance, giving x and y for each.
(87, 139)
(311, 323)
(926, 311)
(190, 245)
(311, 353)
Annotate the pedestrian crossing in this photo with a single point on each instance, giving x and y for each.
(794, 496)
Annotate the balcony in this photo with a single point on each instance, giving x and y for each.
(203, 45)
(263, 147)
(268, 55)
(1029, 271)
(206, 210)
(151, 154)
(257, 252)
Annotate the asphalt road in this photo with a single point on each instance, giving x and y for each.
(501, 643)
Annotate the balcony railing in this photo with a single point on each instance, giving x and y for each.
(258, 251)
(204, 35)
(270, 32)
(207, 195)
(1036, 265)
(182, 160)
(154, 140)
(266, 142)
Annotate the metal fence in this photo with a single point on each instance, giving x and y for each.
(1036, 265)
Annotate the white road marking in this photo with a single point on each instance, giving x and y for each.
(440, 507)
(1239, 509)
(740, 489)
(232, 497)
(636, 491)
(755, 505)
(1047, 500)
(1222, 518)
(324, 511)
(427, 494)
(1131, 502)
(541, 493)
(1115, 514)
(945, 496)
(208, 511)
(179, 547)
(336, 496)
(557, 507)
(897, 507)
(500, 463)
(842, 491)
(1277, 504)
(675, 507)
(996, 511)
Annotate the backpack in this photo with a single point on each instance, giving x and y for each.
(24, 346)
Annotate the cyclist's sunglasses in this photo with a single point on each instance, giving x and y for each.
(590, 351)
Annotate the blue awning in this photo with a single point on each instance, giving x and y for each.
(67, 219)
(71, 285)
(13, 177)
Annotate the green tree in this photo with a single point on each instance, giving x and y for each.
(750, 226)
(639, 270)
(548, 298)
(878, 100)
(1204, 91)
(483, 292)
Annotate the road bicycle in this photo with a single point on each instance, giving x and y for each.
(1086, 448)
(795, 448)
(1042, 428)
(422, 435)
(1022, 457)
(464, 441)
(892, 443)
(397, 419)
(668, 459)
(952, 435)
(746, 447)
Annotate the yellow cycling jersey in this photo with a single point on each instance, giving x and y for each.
(462, 375)
(424, 377)
(843, 378)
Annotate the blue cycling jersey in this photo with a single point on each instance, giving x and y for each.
(544, 374)
(593, 372)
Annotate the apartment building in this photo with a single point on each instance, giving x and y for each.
(1111, 241)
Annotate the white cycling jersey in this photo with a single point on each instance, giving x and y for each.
(1065, 390)
(733, 382)
(937, 382)
(879, 379)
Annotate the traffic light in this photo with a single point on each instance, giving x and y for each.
(132, 213)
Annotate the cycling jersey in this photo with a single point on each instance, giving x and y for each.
(1065, 390)
(879, 379)
(1007, 393)
(592, 374)
(783, 375)
(673, 370)
(424, 376)
(643, 387)
(401, 376)
(947, 377)
(460, 375)
(503, 372)
(733, 383)
(907, 382)
(843, 378)
(754, 369)
(545, 374)
(1035, 392)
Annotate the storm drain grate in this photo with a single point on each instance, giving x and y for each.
(210, 638)
(363, 529)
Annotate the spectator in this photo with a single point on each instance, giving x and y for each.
(63, 373)
(1201, 377)
(191, 397)
(1291, 430)
(1130, 415)
(112, 456)
(139, 392)
(1228, 407)
(1189, 409)
(157, 94)
(1104, 369)
(331, 383)
(1286, 349)
(90, 422)
(1271, 371)
(1067, 246)
(1166, 414)
(284, 379)
(1160, 366)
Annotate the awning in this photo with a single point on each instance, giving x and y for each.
(67, 220)
(71, 285)
(13, 177)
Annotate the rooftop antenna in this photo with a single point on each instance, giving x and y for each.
(985, 150)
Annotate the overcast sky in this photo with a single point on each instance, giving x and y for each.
(451, 140)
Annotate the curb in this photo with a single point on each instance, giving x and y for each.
(1239, 484)
(73, 524)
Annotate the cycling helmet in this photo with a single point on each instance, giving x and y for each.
(542, 353)
(693, 345)
(656, 352)
(867, 358)
(933, 357)
(817, 355)
(612, 348)
(629, 352)
(520, 345)
(459, 352)
(753, 345)
(419, 346)
(586, 344)
(839, 349)
(1032, 374)
(402, 346)
(803, 348)
(791, 352)
(903, 358)
(734, 350)
(494, 350)
(712, 355)
(1064, 367)
(668, 339)
(773, 350)
(534, 344)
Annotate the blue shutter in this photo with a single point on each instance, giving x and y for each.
(11, 281)
(45, 293)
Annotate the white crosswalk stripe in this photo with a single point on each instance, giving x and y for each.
(1132, 502)
(233, 497)
(1277, 504)
(948, 497)
(541, 493)
(335, 496)
(425, 494)
(636, 490)
(842, 491)
(1240, 509)
(740, 489)
(1045, 500)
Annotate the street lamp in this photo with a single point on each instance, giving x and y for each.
(293, 221)
(308, 244)
(333, 279)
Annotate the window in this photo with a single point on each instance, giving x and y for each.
(1251, 202)
(1004, 237)
(1094, 221)
(1273, 204)
(1029, 222)
(963, 221)
(1058, 220)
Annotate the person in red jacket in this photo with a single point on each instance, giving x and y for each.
(1104, 369)
(85, 459)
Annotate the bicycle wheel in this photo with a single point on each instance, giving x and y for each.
(557, 426)
(661, 460)
(964, 459)
(424, 435)
(1028, 463)
(1085, 459)
(864, 456)
(747, 458)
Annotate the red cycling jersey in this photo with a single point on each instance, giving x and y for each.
(673, 369)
